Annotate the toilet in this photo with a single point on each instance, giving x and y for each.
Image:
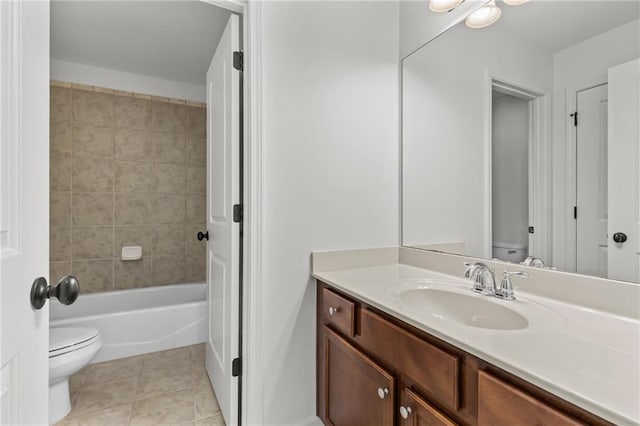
(509, 252)
(70, 349)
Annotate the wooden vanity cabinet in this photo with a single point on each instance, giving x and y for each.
(373, 369)
(416, 411)
(357, 390)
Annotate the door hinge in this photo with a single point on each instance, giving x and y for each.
(238, 61)
(236, 367)
(575, 212)
(532, 230)
(575, 118)
(237, 213)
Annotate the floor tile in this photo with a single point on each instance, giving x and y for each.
(167, 387)
(205, 401)
(172, 358)
(115, 416)
(216, 420)
(105, 395)
(199, 373)
(197, 353)
(171, 408)
(116, 369)
(154, 382)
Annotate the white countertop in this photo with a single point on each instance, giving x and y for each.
(587, 357)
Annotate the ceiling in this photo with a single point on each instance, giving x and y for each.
(173, 40)
(556, 25)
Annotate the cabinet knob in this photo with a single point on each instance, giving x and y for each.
(333, 311)
(382, 393)
(405, 412)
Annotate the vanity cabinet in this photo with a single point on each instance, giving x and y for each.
(357, 390)
(374, 369)
(416, 411)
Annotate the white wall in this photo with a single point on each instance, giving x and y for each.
(510, 170)
(446, 125)
(331, 165)
(579, 67)
(112, 79)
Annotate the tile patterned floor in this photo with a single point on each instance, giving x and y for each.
(162, 388)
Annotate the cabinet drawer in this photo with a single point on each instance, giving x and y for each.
(339, 311)
(432, 369)
(358, 391)
(502, 403)
(415, 411)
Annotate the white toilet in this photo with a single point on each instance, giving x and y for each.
(70, 349)
(509, 252)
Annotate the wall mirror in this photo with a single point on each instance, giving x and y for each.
(522, 138)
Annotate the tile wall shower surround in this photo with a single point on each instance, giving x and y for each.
(169, 387)
(126, 169)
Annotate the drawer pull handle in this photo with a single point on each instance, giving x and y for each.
(333, 311)
(382, 393)
(405, 412)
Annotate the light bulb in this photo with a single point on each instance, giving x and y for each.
(515, 2)
(484, 16)
(440, 6)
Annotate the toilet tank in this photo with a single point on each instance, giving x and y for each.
(509, 252)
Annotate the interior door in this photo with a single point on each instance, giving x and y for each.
(591, 182)
(24, 213)
(624, 171)
(223, 191)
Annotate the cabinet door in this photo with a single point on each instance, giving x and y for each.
(501, 403)
(415, 411)
(358, 391)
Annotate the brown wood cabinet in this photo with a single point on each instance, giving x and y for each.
(416, 411)
(358, 391)
(374, 369)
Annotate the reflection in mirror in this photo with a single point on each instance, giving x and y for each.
(521, 140)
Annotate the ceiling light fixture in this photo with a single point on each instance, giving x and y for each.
(515, 2)
(484, 16)
(441, 6)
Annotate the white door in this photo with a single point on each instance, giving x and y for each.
(591, 182)
(223, 191)
(624, 170)
(24, 210)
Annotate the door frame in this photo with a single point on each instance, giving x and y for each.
(252, 371)
(539, 158)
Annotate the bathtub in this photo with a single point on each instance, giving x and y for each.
(137, 321)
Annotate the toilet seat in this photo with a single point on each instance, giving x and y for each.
(66, 339)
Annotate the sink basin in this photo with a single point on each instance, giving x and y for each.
(455, 302)
(454, 305)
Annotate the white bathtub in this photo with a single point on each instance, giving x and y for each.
(133, 322)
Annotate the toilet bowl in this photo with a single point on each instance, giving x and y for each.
(70, 349)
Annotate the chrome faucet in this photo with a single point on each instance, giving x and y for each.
(484, 281)
(533, 261)
(506, 287)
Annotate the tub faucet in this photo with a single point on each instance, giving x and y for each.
(484, 281)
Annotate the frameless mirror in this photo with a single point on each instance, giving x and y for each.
(522, 140)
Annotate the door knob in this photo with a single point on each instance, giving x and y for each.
(619, 237)
(67, 291)
(204, 236)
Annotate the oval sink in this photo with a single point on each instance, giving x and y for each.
(472, 310)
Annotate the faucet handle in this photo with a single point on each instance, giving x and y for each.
(506, 287)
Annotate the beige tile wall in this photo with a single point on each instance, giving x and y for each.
(126, 169)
